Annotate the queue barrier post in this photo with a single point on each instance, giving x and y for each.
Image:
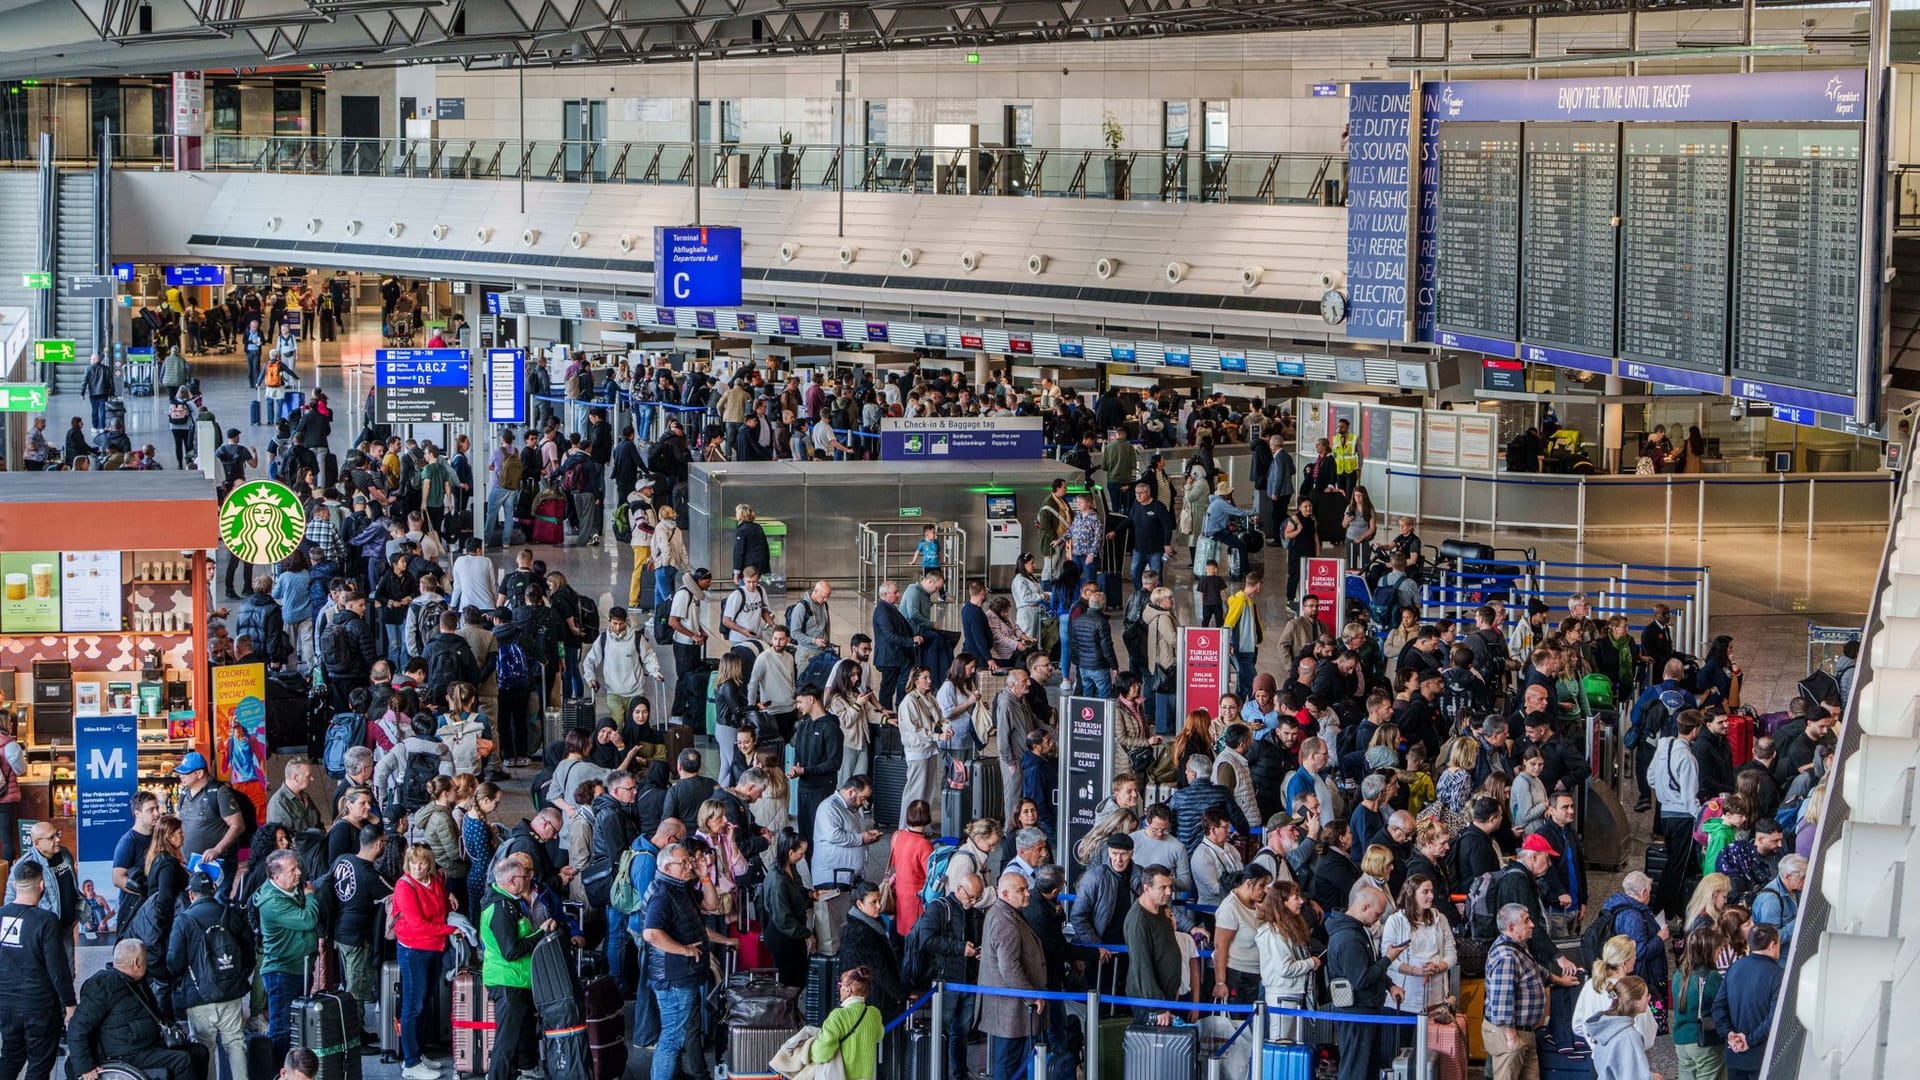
(937, 1047)
(1260, 1040)
(1093, 1031)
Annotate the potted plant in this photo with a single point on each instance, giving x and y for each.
(1118, 167)
(788, 167)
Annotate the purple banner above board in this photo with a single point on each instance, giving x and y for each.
(1790, 96)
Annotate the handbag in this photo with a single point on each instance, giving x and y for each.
(1162, 679)
(1140, 759)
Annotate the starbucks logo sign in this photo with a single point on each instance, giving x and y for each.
(262, 522)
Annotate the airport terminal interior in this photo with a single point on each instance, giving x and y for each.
(1120, 540)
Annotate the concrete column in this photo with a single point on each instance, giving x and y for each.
(981, 363)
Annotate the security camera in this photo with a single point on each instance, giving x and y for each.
(1739, 409)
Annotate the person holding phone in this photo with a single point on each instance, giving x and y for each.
(1421, 928)
(1357, 981)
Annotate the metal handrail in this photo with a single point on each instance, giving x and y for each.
(1023, 171)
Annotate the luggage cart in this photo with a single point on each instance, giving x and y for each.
(137, 371)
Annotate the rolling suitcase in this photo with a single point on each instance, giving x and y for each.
(390, 1011)
(889, 784)
(564, 1054)
(822, 992)
(253, 413)
(1403, 1065)
(1740, 736)
(576, 714)
(1473, 1007)
(1449, 1045)
(473, 1026)
(1286, 1061)
(1161, 1053)
(606, 1028)
(679, 737)
(260, 1061)
(749, 1050)
(328, 1023)
(329, 468)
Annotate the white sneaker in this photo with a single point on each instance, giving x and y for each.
(422, 1071)
(425, 1060)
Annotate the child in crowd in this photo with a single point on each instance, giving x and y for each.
(1213, 595)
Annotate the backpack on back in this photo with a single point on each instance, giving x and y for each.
(1480, 914)
(1594, 937)
(410, 789)
(587, 614)
(511, 667)
(621, 895)
(345, 731)
(937, 861)
(341, 655)
(1456, 694)
(424, 625)
(510, 472)
(221, 966)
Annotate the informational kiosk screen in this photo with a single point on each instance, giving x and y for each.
(1478, 229)
(1677, 200)
(1569, 247)
(1796, 296)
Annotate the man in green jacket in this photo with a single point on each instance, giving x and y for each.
(1120, 463)
(290, 936)
(507, 938)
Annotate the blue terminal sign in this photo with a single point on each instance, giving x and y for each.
(196, 275)
(696, 266)
(421, 367)
(421, 386)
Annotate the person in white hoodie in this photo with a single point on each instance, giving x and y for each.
(392, 771)
(619, 662)
(1619, 1050)
(1599, 992)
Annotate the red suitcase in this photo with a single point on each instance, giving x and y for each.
(473, 1026)
(549, 522)
(1740, 736)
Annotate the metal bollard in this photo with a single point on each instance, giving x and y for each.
(1259, 1040)
(1093, 1032)
(937, 1045)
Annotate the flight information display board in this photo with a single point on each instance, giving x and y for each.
(1797, 220)
(1477, 229)
(1676, 205)
(1568, 246)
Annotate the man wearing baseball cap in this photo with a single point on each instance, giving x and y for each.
(211, 824)
(686, 619)
(1518, 883)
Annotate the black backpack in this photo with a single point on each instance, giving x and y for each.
(1594, 937)
(419, 768)
(341, 655)
(221, 965)
(587, 614)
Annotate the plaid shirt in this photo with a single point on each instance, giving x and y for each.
(322, 534)
(1516, 990)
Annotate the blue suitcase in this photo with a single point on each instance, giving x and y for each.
(291, 402)
(1286, 1061)
(253, 412)
(1151, 1052)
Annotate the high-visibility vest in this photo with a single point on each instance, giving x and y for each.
(1346, 454)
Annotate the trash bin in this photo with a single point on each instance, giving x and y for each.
(1829, 459)
(776, 579)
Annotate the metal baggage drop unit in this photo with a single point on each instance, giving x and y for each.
(823, 504)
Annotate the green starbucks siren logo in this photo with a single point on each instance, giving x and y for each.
(262, 522)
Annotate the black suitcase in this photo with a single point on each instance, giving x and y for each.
(260, 1062)
(1329, 507)
(564, 1053)
(889, 785)
(1161, 1053)
(577, 714)
(822, 993)
(328, 1023)
(606, 1027)
(329, 468)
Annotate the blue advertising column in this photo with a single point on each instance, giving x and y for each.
(106, 753)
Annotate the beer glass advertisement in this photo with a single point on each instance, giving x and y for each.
(31, 604)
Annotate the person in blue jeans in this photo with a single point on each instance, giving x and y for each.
(420, 929)
(676, 939)
(289, 939)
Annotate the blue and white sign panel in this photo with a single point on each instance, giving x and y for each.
(696, 266)
(1657, 373)
(506, 386)
(1377, 213)
(106, 753)
(961, 438)
(421, 386)
(1780, 96)
(196, 275)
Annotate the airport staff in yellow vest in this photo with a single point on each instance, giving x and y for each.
(1346, 456)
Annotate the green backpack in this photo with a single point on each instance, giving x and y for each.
(623, 897)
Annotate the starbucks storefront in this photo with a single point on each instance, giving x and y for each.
(105, 614)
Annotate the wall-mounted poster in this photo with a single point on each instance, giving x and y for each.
(91, 593)
(31, 603)
(1443, 431)
(1476, 442)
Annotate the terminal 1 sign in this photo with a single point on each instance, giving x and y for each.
(696, 266)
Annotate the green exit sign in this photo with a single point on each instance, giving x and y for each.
(909, 511)
(23, 397)
(55, 351)
(37, 281)
(973, 58)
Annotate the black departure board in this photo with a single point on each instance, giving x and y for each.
(1477, 230)
(1796, 286)
(1568, 245)
(1676, 205)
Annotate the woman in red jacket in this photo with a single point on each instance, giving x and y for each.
(420, 907)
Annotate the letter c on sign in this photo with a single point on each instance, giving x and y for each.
(680, 286)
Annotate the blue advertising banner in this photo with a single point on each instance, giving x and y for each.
(106, 774)
(696, 266)
(506, 386)
(960, 438)
(1378, 181)
(832, 328)
(1815, 96)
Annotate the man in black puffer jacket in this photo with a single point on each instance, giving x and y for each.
(449, 658)
(119, 1020)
